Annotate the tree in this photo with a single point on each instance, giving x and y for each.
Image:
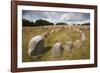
(86, 24)
(41, 22)
(27, 23)
(61, 24)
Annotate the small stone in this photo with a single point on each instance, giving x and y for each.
(68, 46)
(77, 44)
(57, 49)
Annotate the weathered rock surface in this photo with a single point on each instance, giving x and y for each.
(57, 49)
(36, 46)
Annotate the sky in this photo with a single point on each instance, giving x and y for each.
(56, 16)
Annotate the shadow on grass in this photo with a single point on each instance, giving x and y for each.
(46, 49)
(38, 58)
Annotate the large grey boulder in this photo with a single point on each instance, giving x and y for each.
(57, 49)
(36, 46)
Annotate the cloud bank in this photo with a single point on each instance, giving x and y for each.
(55, 17)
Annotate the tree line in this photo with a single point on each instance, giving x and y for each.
(39, 22)
(42, 22)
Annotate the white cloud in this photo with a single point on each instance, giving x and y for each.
(74, 17)
(47, 15)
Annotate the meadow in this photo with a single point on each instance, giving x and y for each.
(61, 33)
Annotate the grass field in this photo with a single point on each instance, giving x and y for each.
(63, 35)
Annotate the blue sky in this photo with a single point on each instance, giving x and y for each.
(55, 17)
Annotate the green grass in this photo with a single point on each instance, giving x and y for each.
(62, 36)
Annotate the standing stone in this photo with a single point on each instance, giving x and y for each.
(57, 49)
(68, 46)
(52, 31)
(78, 44)
(45, 35)
(36, 46)
(83, 37)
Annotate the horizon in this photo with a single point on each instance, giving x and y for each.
(56, 16)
